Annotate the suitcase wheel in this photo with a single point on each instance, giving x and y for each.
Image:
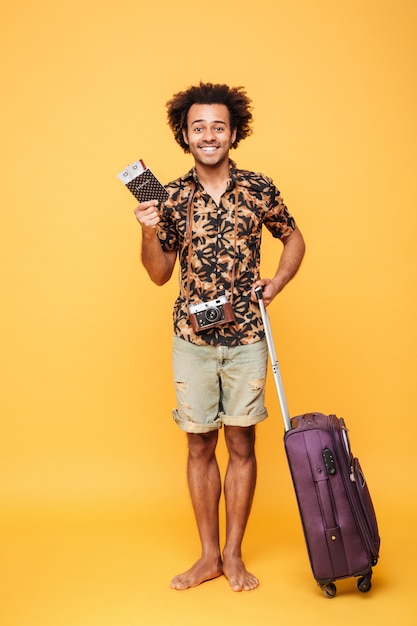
(364, 583)
(329, 590)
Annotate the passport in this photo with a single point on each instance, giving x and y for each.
(143, 183)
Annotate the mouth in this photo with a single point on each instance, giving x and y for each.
(208, 149)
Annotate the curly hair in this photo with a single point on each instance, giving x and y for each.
(235, 98)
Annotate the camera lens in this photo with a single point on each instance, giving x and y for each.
(213, 314)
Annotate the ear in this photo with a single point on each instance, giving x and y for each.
(184, 134)
(233, 137)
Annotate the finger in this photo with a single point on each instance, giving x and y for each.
(144, 213)
(144, 206)
(261, 282)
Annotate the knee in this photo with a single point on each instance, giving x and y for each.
(202, 445)
(240, 441)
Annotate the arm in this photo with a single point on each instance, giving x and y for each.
(158, 264)
(289, 263)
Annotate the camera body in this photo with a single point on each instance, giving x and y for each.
(208, 314)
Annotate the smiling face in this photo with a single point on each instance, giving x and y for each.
(208, 133)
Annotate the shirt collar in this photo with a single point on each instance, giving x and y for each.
(233, 175)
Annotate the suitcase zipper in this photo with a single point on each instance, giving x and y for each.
(344, 430)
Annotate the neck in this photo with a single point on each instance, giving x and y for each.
(213, 175)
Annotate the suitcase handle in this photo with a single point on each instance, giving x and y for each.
(274, 361)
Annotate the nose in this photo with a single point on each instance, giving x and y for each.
(209, 135)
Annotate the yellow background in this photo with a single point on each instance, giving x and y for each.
(95, 516)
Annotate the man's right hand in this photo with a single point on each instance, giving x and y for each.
(147, 214)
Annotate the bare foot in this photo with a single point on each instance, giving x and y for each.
(200, 572)
(238, 576)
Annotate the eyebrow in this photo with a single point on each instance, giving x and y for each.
(212, 122)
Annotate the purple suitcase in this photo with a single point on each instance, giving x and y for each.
(335, 506)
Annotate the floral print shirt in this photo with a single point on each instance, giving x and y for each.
(225, 249)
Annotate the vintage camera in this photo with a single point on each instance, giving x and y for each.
(208, 314)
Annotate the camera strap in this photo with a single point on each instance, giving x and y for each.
(189, 240)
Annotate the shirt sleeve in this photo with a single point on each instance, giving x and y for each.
(278, 220)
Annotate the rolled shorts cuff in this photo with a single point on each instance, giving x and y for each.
(244, 420)
(227, 420)
(193, 427)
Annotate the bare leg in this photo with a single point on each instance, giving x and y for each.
(205, 489)
(240, 484)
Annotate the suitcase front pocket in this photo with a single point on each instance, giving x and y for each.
(331, 529)
(369, 527)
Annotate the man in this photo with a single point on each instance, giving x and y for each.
(212, 222)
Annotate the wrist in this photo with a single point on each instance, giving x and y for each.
(149, 234)
(278, 284)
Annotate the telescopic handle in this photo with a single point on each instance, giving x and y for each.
(274, 361)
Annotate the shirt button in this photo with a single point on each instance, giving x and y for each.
(219, 236)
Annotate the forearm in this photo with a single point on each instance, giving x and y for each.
(290, 260)
(158, 264)
(288, 266)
